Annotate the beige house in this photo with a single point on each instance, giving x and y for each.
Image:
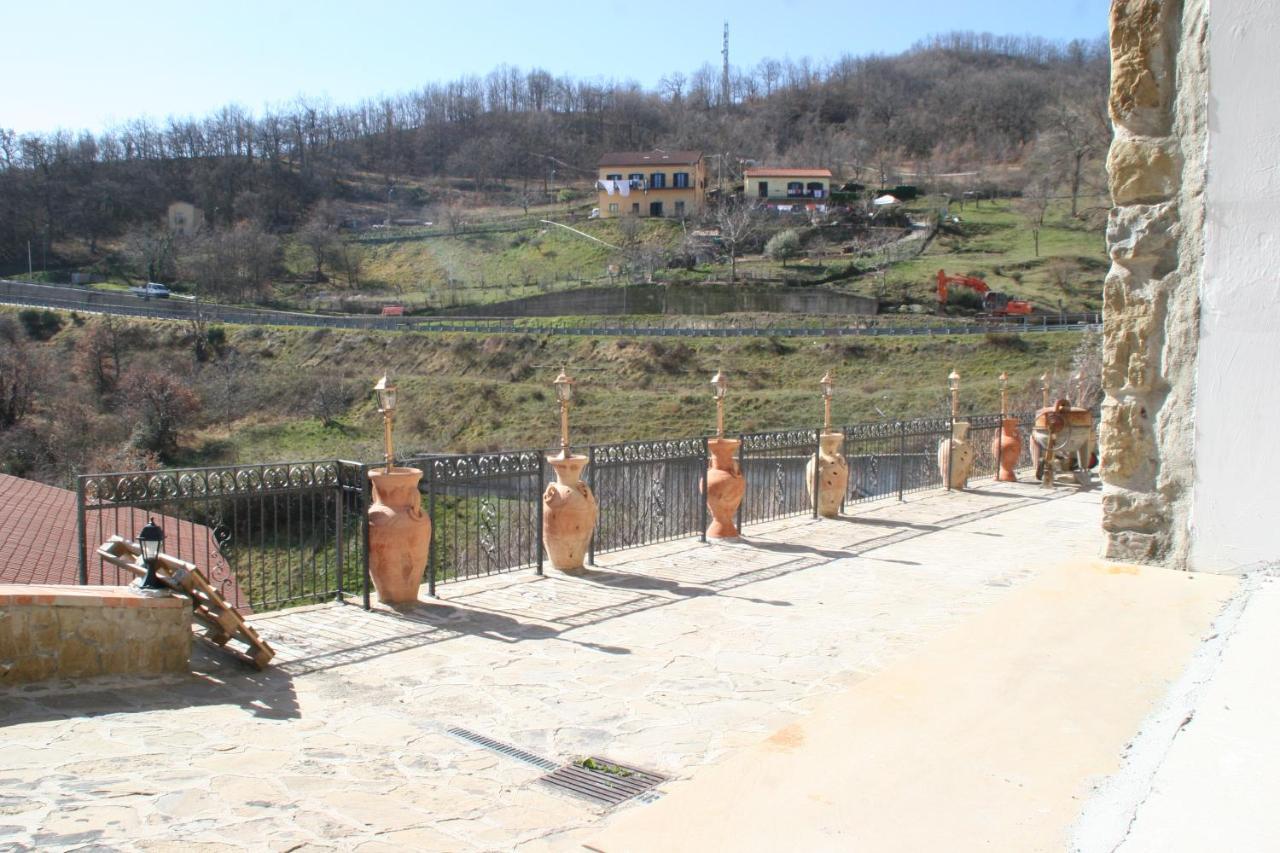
(651, 183)
(184, 218)
(787, 186)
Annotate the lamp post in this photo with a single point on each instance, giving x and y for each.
(564, 393)
(387, 406)
(1004, 395)
(828, 385)
(1044, 390)
(718, 387)
(953, 382)
(150, 538)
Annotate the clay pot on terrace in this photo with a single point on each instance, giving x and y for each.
(1006, 447)
(399, 535)
(955, 456)
(568, 514)
(724, 487)
(833, 474)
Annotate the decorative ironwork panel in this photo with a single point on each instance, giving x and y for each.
(647, 491)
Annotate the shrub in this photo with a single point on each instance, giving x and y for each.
(40, 325)
(1000, 340)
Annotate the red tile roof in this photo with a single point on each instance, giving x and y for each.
(650, 158)
(782, 172)
(38, 539)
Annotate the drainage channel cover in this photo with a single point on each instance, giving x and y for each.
(503, 748)
(602, 781)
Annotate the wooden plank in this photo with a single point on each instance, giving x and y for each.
(209, 608)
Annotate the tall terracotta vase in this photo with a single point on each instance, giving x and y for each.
(955, 456)
(399, 535)
(568, 514)
(1006, 447)
(833, 474)
(724, 487)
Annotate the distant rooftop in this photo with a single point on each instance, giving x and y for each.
(38, 537)
(785, 172)
(648, 158)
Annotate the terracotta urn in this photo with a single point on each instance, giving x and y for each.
(1006, 447)
(724, 487)
(955, 456)
(399, 535)
(568, 514)
(833, 474)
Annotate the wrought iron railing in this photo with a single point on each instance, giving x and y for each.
(279, 535)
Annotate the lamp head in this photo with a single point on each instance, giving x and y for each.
(719, 385)
(1044, 381)
(564, 387)
(953, 381)
(150, 538)
(828, 384)
(386, 395)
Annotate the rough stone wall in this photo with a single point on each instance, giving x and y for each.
(1159, 83)
(52, 632)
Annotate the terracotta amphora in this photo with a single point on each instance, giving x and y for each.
(724, 487)
(955, 456)
(833, 474)
(399, 535)
(1006, 447)
(568, 514)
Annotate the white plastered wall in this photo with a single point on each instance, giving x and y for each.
(1235, 519)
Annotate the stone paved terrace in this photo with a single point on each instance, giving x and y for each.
(668, 657)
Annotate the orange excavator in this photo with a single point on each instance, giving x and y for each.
(993, 303)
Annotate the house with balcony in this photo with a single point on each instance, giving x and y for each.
(779, 187)
(651, 183)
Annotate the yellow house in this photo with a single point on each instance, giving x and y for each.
(651, 183)
(787, 186)
(184, 218)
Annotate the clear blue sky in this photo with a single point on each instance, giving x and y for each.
(77, 64)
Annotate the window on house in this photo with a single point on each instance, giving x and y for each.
(795, 188)
(764, 189)
(613, 177)
(679, 208)
(613, 208)
(635, 207)
(680, 180)
(814, 188)
(658, 181)
(637, 180)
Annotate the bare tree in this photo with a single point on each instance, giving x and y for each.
(739, 221)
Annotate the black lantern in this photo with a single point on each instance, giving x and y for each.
(150, 538)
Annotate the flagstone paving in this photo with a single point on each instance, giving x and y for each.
(665, 658)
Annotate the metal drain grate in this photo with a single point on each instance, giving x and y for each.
(503, 748)
(601, 786)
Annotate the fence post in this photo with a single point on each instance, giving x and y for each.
(366, 499)
(742, 449)
(431, 514)
(951, 433)
(542, 479)
(591, 543)
(82, 558)
(817, 463)
(902, 457)
(702, 481)
(339, 522)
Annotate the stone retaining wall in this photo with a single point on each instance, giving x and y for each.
(78, 632)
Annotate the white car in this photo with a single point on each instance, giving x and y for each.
(151, 290)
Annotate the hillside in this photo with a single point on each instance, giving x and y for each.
(112, 395)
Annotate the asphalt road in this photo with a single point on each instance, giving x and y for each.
(126, 305)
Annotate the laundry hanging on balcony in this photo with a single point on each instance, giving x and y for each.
(610, 187)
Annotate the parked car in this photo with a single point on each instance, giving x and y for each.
(151, 290)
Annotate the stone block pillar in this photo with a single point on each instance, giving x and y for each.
(1159, 83)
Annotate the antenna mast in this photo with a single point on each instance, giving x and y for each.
(724, 74)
